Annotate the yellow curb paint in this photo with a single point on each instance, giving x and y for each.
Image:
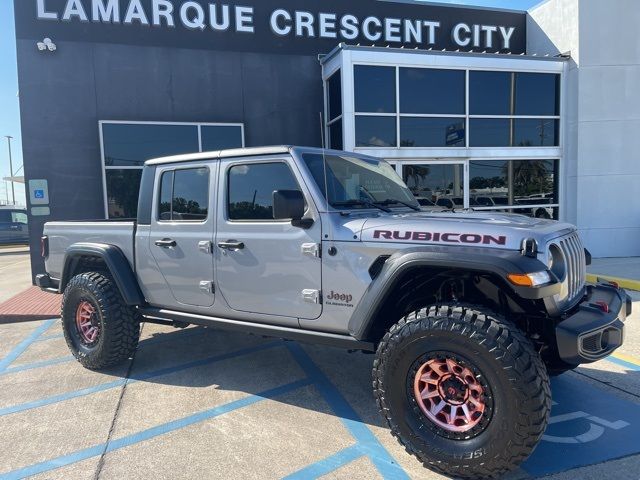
(627, 358)
(623, 282)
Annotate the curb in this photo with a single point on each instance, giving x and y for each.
(623, 282)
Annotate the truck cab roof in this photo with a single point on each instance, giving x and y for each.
(239, 152)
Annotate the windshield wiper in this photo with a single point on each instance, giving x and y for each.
(391, 201)
(353, 203)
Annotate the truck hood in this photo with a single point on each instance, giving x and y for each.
(496, 230)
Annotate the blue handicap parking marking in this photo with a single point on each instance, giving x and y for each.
(587, 426)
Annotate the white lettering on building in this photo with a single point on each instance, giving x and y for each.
(223, 17)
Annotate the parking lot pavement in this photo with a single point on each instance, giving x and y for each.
(200, 403)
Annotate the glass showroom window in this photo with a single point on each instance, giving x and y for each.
(375, 106)
(528, 187)
(334, 111)
(436, 184)
(514, 109)
(127, 145)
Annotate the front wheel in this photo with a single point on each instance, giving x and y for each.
(101, 330)
(463, 390)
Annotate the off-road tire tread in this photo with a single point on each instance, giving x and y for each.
(122, 321)
(510, 347)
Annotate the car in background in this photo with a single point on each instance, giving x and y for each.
(452, 203)
(535, 207)
(492, 201)
(14, 225)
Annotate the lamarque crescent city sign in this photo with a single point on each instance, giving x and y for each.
(370, 22)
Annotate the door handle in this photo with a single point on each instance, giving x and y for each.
(233, 245)
(166, 243)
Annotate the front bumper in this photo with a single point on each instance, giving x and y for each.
(596, 328)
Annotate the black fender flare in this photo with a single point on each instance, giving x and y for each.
(480, 260)
(116, 263)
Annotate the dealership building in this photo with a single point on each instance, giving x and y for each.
(532, 112)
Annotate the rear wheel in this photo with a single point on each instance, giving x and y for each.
(101, 330)
(463, 390)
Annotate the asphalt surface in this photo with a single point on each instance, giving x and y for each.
(200, 403)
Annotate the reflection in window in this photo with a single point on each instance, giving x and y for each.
(375, 131)
(490, 93)
(221, 137)
(519, 132)
(184, 195)
(489, 132)
(514, 183)
(536, 132)
(375, 89)
(537, 94)
(432, 132)
(251, 187)
(441, 184)
(335, 135)
(122, 192)
(130, 145)
(334, 93)
(432, 91)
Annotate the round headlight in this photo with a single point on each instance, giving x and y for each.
(556, 262)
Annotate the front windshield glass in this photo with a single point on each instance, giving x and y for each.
(354, 183)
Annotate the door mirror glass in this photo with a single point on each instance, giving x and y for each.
(288, 205)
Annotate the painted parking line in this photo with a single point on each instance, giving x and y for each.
(36, 365)
(162, 338)
(367, 441)
(22, 346)
(328, 465)
(153, 432)
(46, 338)
(588, 425)
(134, 379)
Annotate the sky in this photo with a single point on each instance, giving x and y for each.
(9, 108)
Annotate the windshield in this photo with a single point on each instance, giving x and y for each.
(358, 183)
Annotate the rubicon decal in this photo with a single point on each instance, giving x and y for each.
(468, 238)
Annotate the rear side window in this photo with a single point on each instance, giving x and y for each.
(19, 217)
(184, 195)
(251, 187)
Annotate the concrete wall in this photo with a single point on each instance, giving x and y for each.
(63, 96)
(602, 144)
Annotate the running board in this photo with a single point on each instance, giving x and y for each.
(156, 315)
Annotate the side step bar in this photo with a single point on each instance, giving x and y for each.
(157, 315)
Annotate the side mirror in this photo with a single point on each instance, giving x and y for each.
(288, 205)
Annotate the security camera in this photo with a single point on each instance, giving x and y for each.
(47, 44)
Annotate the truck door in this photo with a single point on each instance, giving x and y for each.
(181, 232)
(263, 265)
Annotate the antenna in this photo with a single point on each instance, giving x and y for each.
(324, 166)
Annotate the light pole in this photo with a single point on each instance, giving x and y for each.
(13, 191)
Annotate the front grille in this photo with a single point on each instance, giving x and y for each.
(576, 264)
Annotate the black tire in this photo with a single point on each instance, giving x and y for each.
(516, 390)
(118, 323)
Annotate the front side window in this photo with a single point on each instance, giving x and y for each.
(353, 182)
(184, 195)
(19, 217)
(251, 187)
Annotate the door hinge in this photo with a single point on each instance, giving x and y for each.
(205, 246)
(208, 286)
(311, 296)
(312, 249)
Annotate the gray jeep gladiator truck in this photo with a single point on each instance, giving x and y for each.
(468, 313)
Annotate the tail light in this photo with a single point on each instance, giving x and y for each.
(44, 246)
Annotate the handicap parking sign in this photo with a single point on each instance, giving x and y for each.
(38, 193)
